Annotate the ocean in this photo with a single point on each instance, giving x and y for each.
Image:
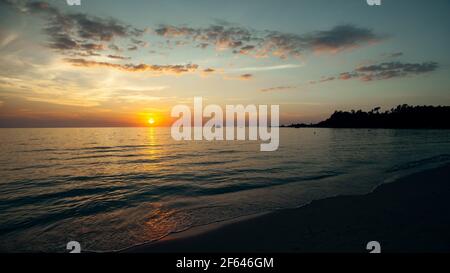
(114, 188)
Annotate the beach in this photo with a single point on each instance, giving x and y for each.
(411, 214)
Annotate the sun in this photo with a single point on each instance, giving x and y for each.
(151, 121)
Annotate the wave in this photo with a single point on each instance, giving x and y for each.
(442, 158)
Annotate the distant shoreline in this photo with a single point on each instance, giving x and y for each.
(411, 214)
(401, 117)
(363, 128)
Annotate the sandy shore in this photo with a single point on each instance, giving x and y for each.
(411, 214)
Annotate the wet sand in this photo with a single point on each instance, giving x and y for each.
(411, 214)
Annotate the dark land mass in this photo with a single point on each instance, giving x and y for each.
(411, 214)
(401, 117)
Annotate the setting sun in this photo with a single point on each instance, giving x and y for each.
(151, 121)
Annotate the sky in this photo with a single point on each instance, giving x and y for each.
(120, 63)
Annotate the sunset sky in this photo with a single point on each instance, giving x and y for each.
(120, 63)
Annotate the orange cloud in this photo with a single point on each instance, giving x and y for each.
(246, 77)
(160, 69)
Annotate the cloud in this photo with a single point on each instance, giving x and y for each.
(79, 36)
(327, 79)
(246, 77)
(79, 32)
(384, 71)
(139, 42)
(209, 70)
(337, 39)
(392, 55)
(242, 77)
(83, 54)
(115, 47)
(203, 45)
(269, 68)
(415, 68)
(169, 31)
(222, 37)
(7, 38)
(245, 41)
(72, 32)
(91, 27)
(390, 70)
(341, 38)
(92, 46)
(64, 101)
(245, 50)
(118, 57)
(98, 29)
(157, 69)
(277, 88)
(347, 75)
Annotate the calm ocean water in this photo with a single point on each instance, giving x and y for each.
(113, 188)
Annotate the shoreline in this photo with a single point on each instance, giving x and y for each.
(411, 214)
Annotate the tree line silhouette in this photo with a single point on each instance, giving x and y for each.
(402, 117)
